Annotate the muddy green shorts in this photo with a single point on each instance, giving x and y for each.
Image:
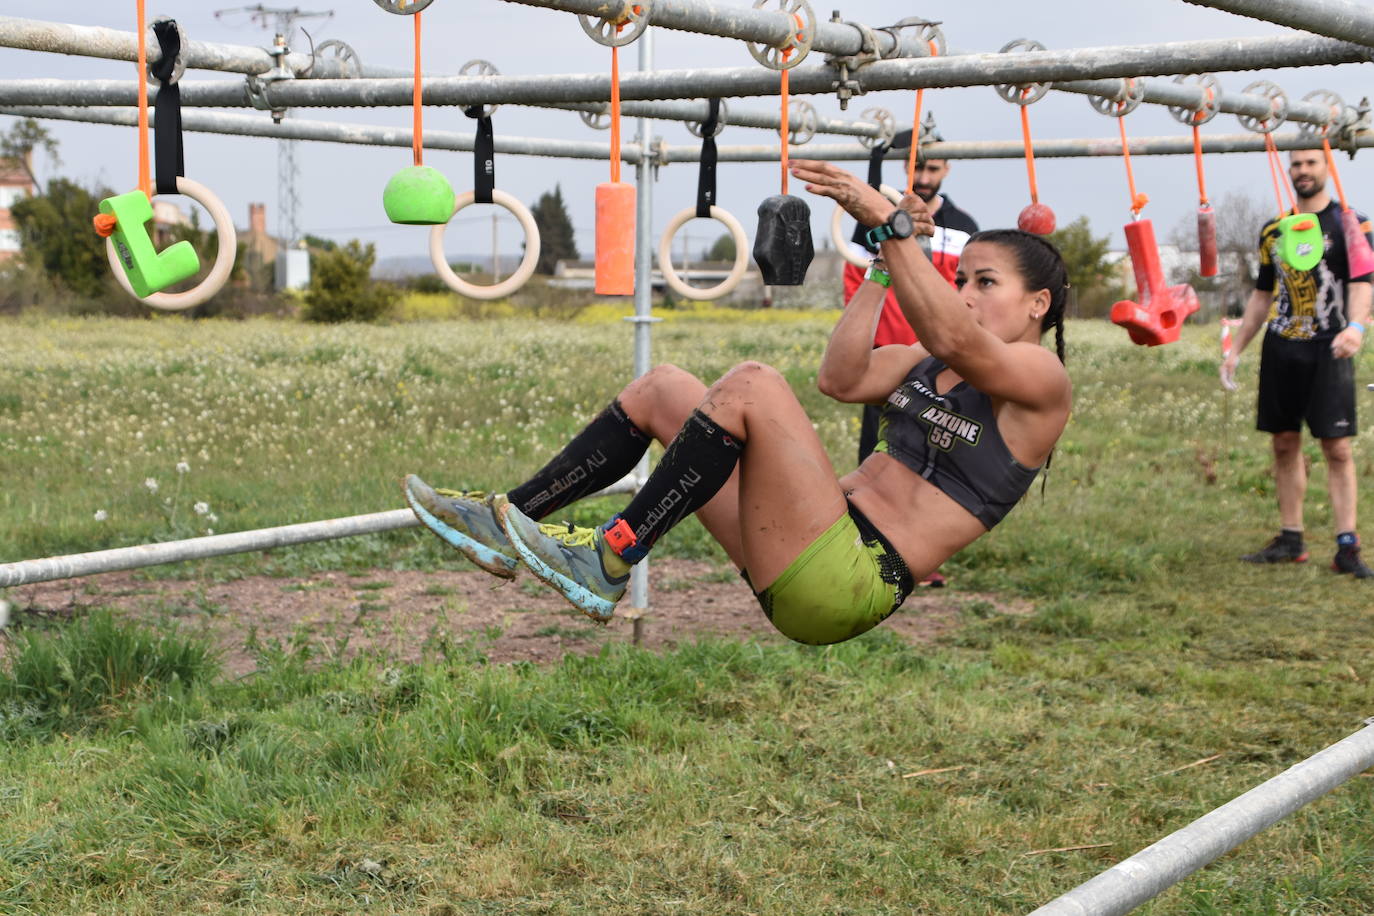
(844, 583)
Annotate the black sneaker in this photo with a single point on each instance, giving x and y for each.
(1282, 550)
(1348, 561)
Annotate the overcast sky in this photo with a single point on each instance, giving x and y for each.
(341, 185)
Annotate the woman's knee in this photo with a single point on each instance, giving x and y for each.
(750, 376)
(664, 394)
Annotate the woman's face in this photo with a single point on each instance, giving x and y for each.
(990, 281)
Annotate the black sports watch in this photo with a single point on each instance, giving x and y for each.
(898, 226)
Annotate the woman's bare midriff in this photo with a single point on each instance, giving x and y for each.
(923, 524)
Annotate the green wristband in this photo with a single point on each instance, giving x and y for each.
(878, 276)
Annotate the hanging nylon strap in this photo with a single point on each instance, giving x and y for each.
(915, 151)
(417, 134)
(1030, 149)
(483, 156)
(1331, 167)
(1276, 172)
(706, 177)
(145, 184)
(171, 157)
(615, 113)
(1198, 117)
(1138, 200)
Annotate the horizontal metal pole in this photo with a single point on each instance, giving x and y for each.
(246, 125)
(767, 27)
(694, 112)
(1334, 18)
(928, 73)
(371, 135)
(218, 545)
(111, 44)
(1014, 149)
(1156, 868)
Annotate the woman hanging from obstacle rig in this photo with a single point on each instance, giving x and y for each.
(972, 413)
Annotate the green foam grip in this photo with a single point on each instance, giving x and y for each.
(418, 196)
(1301, 244)
(149, 270)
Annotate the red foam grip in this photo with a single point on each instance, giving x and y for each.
(1207, 242)
(1159, 315)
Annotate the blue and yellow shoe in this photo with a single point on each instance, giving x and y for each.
(566, 557)
(464, 519)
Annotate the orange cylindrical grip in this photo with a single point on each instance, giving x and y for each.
(1207, 242)
(615, 239)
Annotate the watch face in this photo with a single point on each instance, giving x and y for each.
(901, 224)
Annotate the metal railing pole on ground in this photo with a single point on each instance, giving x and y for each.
(26, 572)
(1333, 18)
(1126, 885)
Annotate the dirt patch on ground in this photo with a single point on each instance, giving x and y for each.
(397, 614)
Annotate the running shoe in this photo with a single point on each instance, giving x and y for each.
(566, 557)
(1348, 560)
(465, 519)
(1279, 550)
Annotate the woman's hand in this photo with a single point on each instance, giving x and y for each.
(858, 199)
(923, 222)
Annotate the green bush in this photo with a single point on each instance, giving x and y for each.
(341, 287)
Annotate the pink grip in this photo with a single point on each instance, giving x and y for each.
(1207, 241)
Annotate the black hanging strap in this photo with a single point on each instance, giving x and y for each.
(706, 178)
(875, 178)
(171, 159)
(483, 156)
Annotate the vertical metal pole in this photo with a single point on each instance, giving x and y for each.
(644, 290)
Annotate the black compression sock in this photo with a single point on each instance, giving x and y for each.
(696, 465)
(604, 452)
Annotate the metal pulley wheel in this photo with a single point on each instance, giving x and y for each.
(480, 67)
(597, 120)
(339, 52)
(695, 127)
(403, 7)
(607, 31)
(801, 121)
(1278, 107)
(1016, 93)
(1336, 121)
(926, 32)
(179, 65)
(1210, 87)
(1127, 99)
(798, 41)
(887, 128)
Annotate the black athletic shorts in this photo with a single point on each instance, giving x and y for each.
(1300, 380)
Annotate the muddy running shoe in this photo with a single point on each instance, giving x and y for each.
(566, 557)
(465, 520)
(1283, 549)
(1348, 561)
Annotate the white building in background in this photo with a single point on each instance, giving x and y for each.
(15, 185)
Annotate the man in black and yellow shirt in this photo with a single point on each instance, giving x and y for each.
(1315, 323)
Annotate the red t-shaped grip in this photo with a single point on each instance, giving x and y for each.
(1159, 316)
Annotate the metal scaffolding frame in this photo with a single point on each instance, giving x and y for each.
(876, 59)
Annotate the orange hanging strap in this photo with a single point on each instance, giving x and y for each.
(417, 102)
(912, 155)
(785, 129)
(144, 180)
(1276, 173)
(1030, 150)
(1138, 200)
(615, 113)
(1331, 167)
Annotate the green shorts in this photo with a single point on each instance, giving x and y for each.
(844, 583)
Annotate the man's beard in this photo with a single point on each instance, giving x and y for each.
(927, 194)
(1312, 191)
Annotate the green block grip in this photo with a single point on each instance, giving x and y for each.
(1300, 241)
(149, 270)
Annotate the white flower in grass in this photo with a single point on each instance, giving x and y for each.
(201, 508)
(101, 515)
(212, 518)
(183, 467)
(151, 484)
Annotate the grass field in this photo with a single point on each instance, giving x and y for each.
(982, 775)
